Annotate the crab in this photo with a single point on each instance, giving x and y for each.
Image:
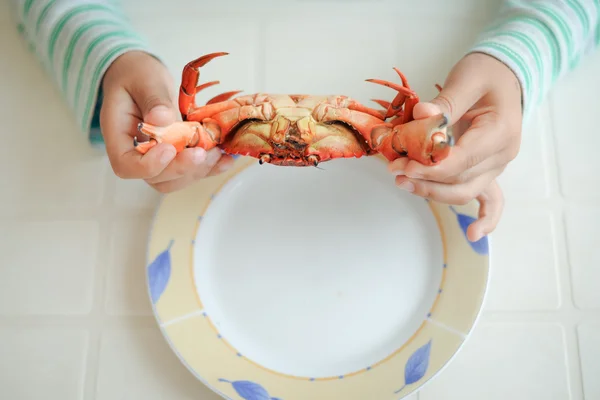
(300, 129)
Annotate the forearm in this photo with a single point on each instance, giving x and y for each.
(541, 40)
(76, 41)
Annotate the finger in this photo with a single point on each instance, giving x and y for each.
(213, 156)
(491, 205)
(133, 165)
(485, 138)
(209, 168)
(154, 97)
(184, 176)
(495, 162)
(185, 162)
(223, 165)
(173, 185)
(117, 124)
(459, 93)
(398, 166)
(460, 194)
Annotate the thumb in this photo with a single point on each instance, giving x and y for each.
(155, 102)
(462, 89)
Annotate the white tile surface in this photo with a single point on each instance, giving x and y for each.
(527, 177)
(137, 363)
(583, 231)
(42, 363)
(197, 36)
(575, 102)
(589, 347)
(135, 194)
(126, 291)
(47, 166)
(296, 66)
(524, 261)
(506, 361)
(47, 266)
(73, 236)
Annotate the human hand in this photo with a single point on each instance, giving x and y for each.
(482, 98)
(137, 87)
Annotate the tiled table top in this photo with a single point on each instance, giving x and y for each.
(75, 322)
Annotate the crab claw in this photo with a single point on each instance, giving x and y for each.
(179, 134)
(424, 140)
(143, 147)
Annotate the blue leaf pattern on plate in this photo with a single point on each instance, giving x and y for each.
(250, 390)
(159, 272)
(480, 246)
(417, 365)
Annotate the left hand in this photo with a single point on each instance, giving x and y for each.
(138, 87)
(482, 98)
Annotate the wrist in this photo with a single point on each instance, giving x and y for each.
(127, 64)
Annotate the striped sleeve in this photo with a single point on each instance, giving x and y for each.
(541, 40)
(76, 41)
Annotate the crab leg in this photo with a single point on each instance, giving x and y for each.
(406, 96)
(189, 86)
(382, 103)
(207, 126)
(362, 108)
(216, 121)
(180, 134)
(343, 102)
(424, 140)
(223, 97)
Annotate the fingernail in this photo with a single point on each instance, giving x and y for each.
(161, 109)
(199, 155)
(407, 185)
(398, 172)
(167, 156)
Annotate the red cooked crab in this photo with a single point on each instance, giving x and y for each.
(300, 130)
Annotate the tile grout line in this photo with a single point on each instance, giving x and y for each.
(100, 276)
(564, 268)
(559, 224)
(97, 312)
(573, 360)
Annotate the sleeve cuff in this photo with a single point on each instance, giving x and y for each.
(516, 55)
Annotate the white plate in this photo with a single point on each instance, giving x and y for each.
(298, 283)
(289, 262)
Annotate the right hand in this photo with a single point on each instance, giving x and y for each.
(137, 88)
(482, 98)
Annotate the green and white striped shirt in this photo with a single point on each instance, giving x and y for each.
(76, 41)
(541, 40)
